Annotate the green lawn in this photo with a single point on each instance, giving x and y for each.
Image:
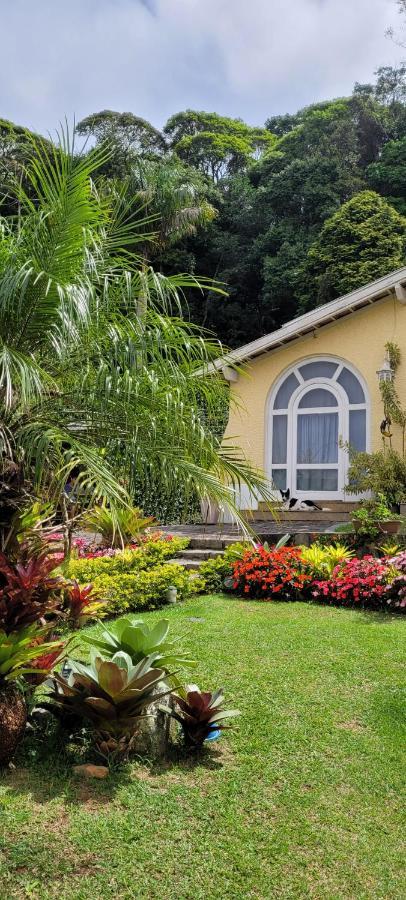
(302, 799)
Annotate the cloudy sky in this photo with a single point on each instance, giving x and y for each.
(248, 58)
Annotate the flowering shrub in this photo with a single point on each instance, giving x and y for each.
(395, 594)
(359, 582)
(286, 574)
(271, 574)
(119, 562)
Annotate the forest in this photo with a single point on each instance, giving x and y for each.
(282, 217)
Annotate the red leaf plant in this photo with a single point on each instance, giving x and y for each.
(45, 664)
(82, 602)
(28, 593)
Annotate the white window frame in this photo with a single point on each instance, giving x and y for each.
(343, 409)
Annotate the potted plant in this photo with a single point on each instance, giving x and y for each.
(374, 517)
(381, 473)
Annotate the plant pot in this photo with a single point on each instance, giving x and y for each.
(392, 526)
(13, 719)
(389, 526)
(210, 512)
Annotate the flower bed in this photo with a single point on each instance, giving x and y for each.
(293, 573)
(358, 582)
(268, 574)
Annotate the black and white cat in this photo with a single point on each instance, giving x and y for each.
(295, 505)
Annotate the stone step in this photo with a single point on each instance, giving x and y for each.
(206, 542)
(186, 563)
(201, 554)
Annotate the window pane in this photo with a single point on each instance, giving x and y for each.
(279, 439)
(358, 429)
(279, 479)
(285, 392)
(317, 438)
(317, 397)
(317, 480)
(351, 384)
(318, 370)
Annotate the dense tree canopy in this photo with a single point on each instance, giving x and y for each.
(261, 209)
(364, 239)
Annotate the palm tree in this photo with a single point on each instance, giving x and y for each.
(89, 390)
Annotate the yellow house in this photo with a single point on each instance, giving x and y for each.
(313, 385)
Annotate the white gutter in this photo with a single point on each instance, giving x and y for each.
(394, 283)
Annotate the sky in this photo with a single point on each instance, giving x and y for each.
(247, 58)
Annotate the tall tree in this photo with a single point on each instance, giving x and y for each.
(364, 239)
(127, 136)
(217, 145)
(388, 175)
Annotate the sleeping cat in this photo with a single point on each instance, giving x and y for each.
(295, 505)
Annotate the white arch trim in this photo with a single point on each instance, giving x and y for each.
(344, 407)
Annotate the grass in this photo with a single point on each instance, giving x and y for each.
(303, 799)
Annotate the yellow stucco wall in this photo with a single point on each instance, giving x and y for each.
(358, 338)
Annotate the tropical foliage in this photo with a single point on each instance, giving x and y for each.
(111, 694)
(97, 366)
(134, 637)
(122, 527)
(200, 713)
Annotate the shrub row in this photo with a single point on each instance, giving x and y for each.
(125, 562)
(142, 590)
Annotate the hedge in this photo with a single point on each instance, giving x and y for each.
(128, 592)
(148, 556)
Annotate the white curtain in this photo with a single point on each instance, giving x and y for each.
(279, 440)
(317, 480)
(317, 438)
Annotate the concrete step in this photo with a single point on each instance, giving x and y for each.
(334, 505)
(300, 516)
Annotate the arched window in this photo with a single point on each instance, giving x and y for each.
(315, 408)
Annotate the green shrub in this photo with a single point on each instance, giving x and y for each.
(213, 572)
(149, 555)
(117, 529)
(146, 589)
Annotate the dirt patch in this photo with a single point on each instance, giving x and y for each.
(353, 725)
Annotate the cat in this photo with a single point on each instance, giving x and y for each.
(295, 505)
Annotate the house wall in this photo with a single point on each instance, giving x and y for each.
(358, 338)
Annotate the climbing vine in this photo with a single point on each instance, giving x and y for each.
(394, 412)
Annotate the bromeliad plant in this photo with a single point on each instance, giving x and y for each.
(112, 695)
(200, 714)
(82, 603)
(30, 593)
(138, 641)
(118, 528)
